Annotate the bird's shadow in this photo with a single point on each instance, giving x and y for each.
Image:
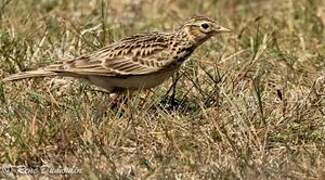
(172, 104)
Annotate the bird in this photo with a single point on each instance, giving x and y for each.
(138, 62)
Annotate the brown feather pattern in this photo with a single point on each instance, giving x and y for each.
(138, 61)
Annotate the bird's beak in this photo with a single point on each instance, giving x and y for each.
(223, 29)
(220, 29)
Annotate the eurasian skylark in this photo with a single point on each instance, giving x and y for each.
(137, 62)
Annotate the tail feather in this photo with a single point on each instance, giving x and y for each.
(29, 74)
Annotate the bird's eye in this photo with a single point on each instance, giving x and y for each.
(205, 26)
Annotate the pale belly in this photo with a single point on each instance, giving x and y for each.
(132, 82)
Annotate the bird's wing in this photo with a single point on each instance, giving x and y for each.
(108, 67)
(137, 55)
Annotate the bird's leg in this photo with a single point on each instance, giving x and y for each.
(147, 94)
(102, 107)
(118, 102)
(114, 99)
(172, 97)
(120, 99)
(171, 101)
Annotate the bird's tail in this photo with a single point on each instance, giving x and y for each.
(29, 74)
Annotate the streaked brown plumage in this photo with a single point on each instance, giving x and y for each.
(137, 62)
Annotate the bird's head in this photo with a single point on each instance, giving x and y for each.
(201, 28)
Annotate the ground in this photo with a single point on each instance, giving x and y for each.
(249, 104)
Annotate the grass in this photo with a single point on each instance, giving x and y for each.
(252, 103)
